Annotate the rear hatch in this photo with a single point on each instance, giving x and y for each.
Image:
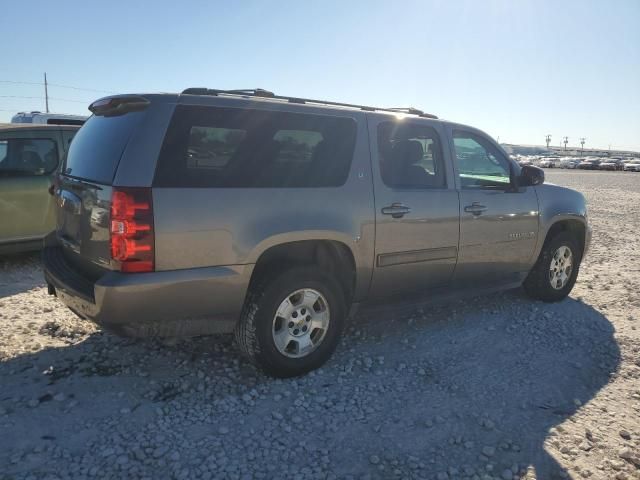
(85, 189)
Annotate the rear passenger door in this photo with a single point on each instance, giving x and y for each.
(417, 207)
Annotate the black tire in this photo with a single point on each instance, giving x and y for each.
(254, 330)
(538, 285)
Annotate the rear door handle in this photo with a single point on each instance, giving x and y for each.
(396, 210)
(475, 208)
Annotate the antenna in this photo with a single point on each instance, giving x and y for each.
(548, 139)
(582, 139)
(565, 140)
(46, 93)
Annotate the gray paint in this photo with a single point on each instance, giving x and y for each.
(207, 241)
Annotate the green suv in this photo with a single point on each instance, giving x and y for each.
(29, 158)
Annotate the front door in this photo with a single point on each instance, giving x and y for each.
(498, 223)
(417, 209)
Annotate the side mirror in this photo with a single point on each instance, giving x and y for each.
(530, 176)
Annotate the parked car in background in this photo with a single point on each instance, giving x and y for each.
(632, 166)
(219, 211)
(40, 118)
(29, 158)
(547, 163)
(611, 164)
(568, 163)
(589, 165)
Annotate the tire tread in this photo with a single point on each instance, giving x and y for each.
(537, 283)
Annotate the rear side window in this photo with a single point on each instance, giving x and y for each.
(96, 149)
(410, 156)
(235, 148)
(21, 157)
(211, 147)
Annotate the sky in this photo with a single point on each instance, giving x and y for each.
(517, 69)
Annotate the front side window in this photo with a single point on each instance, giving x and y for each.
(410, 156)
(237, 148)
(480, 164)
(27, 157)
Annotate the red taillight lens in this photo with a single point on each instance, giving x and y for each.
(132, 238)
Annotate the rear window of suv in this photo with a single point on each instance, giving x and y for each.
(96, 149)
(235, 148)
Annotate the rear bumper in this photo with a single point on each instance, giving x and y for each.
(187, 302)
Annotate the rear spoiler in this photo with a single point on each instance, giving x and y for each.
(119, 105)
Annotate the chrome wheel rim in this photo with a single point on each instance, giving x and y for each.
(561, 267)
(300, 323)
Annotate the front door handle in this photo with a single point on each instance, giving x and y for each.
(475, 208)
(396, 210)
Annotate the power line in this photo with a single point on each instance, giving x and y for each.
(19, 96)
(15, 82)
(20, 83)
(79, 88)
(86, 102)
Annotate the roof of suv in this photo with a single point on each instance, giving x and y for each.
(270, 96)
(260, 96)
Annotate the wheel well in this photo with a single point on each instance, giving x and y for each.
(575, 227)
(333, 257)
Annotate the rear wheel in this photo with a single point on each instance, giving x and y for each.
(292, 323)
(553, 276)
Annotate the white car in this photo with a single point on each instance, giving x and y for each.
(547, 163)
(633, 166)
(568, 163)
(48, 118)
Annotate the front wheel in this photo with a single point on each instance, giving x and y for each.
(553, 276)
(292, 323)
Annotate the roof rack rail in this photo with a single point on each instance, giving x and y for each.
(409, 110)
(256, 92)
(259, 92)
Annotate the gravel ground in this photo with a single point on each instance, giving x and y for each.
(499, 387)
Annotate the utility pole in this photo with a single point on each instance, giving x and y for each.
(548, 140)
(582, 145)
(565, 141)
(46, 93)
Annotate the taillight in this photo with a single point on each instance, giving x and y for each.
(132, 238)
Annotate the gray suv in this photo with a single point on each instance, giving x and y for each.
(268, 216)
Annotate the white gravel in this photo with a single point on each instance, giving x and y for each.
(499, 387)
